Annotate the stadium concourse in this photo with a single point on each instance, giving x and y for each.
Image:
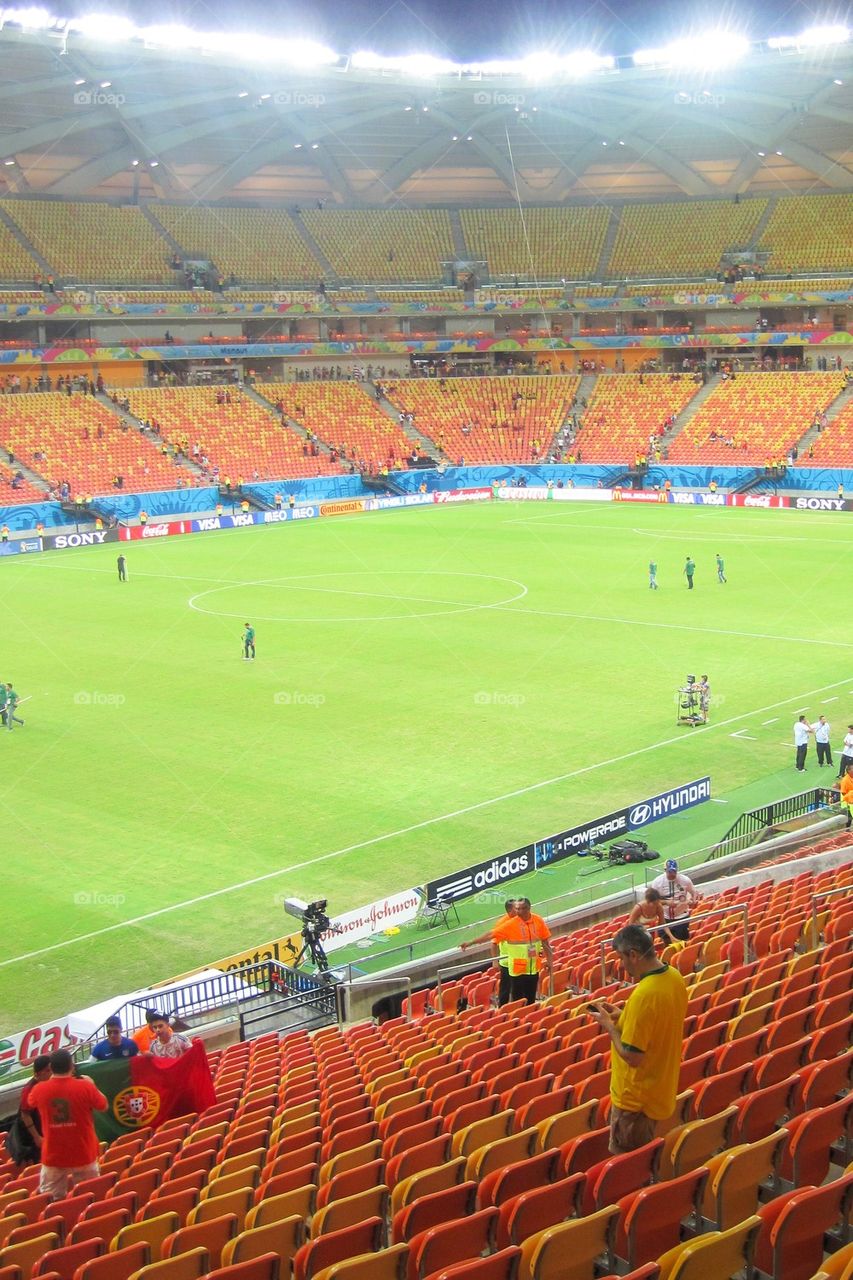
(462, 1140)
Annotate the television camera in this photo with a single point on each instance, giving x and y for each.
(315, 926)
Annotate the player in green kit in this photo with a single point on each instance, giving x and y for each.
(689, 570)
(653, 574)
(721, 575)
(249, 643)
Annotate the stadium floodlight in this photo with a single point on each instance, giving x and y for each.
(33, 19)
(812, 37)
(712, 49)
(422, 65)
(171, 35)
(250, 48)
(108, 27)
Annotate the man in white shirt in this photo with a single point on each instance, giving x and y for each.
(679, 895)
(846, 752)
(167, 1043)
(802, 729)
(821, 738)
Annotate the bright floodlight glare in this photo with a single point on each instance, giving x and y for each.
(251, 48)
(812, 37)
(34, 19)
(412, 64)
(103, 26)
(171, 35)
(712, 49)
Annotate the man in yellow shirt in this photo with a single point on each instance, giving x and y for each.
(647, 1037)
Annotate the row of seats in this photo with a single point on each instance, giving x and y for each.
(833, 447)
(242, 438)
(92, 241)
(344, 417)
(65, 430)
(509, 419)
(623, 412)
(474, 1142)
(765, 414)
(98, 241)
(551, 243)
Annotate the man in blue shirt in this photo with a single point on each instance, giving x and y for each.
(116, 1045)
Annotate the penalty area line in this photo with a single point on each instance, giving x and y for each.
(415, 826)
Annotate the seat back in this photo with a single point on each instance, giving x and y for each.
(651, 1218)
(716, 1253)
(452, 1242)
(736, 1176)
(570, 1251)
(691, 1145)
(212, 1236)
(532, 1211)
(347, 1242)
(790, 1242)
(615, 1177)
(431, 1210)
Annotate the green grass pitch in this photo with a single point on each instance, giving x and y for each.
(431, 687)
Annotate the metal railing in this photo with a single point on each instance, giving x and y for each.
(750, 824)
(204, 1000)
(422, 948)
(826, 893)
(735, 909)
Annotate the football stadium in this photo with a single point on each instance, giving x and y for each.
(426, 488)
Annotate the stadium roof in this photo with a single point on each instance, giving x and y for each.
(83, 117)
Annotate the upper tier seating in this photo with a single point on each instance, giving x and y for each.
(345, 417)
(765, 414)
(833, 446)
(240, 438)
(16, 262)
(550, 243)
(624, 411)
(383, 244)
(16, 297)
(436, 297)
(680, 239)
(251, 244)
(810, 234)
(498, 432)
(57, 425)
(94, 242)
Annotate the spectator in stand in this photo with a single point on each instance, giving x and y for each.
(144, 1036)
(115, 1045)
(65, 1104)
(647, 1037)
(167, 1043)
(24, 1140)
(846, 752)
(679, 895)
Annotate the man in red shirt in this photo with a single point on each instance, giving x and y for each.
(65, 1104)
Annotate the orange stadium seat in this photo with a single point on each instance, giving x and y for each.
(623, 412)
(65, 429)
(511, 419)
(764, 414)
(241, 438)
(342, 415)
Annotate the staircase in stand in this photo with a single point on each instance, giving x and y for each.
(832, 413)
(761, 225)
(137, 425)
(607, 248)
(288, 424)
(328, 272)
(690, 409)
(428, 447)
(163, 233)
(459, 246)
(22, 240)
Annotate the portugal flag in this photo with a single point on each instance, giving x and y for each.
(143, 1092)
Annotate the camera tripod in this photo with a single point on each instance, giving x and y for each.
(312, 946)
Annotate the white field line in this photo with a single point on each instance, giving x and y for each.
(415, 826)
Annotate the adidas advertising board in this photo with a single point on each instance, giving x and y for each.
(543, 853)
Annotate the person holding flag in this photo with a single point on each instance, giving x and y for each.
(249, 643)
